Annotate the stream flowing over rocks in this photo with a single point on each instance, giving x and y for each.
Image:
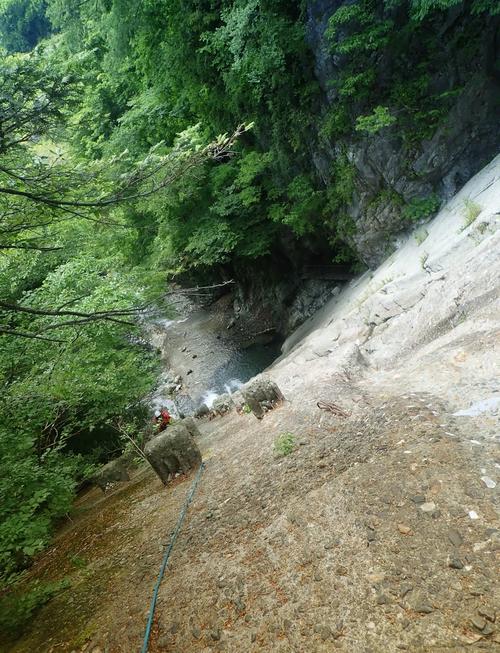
(360, 514)
(212, 349)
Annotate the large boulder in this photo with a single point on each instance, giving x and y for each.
(111, 473)
(223, 404)
(174, 450)
(262, 395)
(190, 424)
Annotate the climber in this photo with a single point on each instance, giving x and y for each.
(161, 419)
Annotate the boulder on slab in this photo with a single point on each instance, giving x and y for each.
(174, 450)
(223, 404)
(202, 411)
(110, 473)
(262, 395)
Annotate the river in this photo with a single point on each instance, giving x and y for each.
(210, 358)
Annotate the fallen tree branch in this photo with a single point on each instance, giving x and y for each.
(333, 408)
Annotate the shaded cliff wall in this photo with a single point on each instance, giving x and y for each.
(403, 172)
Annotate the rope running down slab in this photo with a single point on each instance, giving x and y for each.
(168, 551)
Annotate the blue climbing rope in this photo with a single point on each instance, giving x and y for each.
(168, 551)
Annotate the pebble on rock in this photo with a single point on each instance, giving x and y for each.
(428, 506)
(487, 613)
(455, 537)
(478, 622)
(404, 530)
(455, 563)
(424, 608)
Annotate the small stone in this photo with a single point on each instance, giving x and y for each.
(196, 632)
(370, 536)
(215, 634)
(418, 498)
(487, 613)
(239, 604)
(405, 589)
(341, 570)
(428, 506)
(424, 608)
(478, 590)
(253, 637)
(195, 356)
(317, 577)
(455, 538)
(382, 599)
(488, 630)
(469, 637)
(489, 482)
(325, 632)
(478, 622)
(189, 372)
(455, 563)
(403, 529)
(375, 578)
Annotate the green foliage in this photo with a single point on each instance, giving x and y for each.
(421, 208)
(23, 23)
(284, 444)
(16, 609)
(376, 121)
(470, 211)
(420, 236)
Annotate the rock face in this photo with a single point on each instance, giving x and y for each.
(174, 450)
(388, 172)
(312, 295)
(112, 472)
(262, 395)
